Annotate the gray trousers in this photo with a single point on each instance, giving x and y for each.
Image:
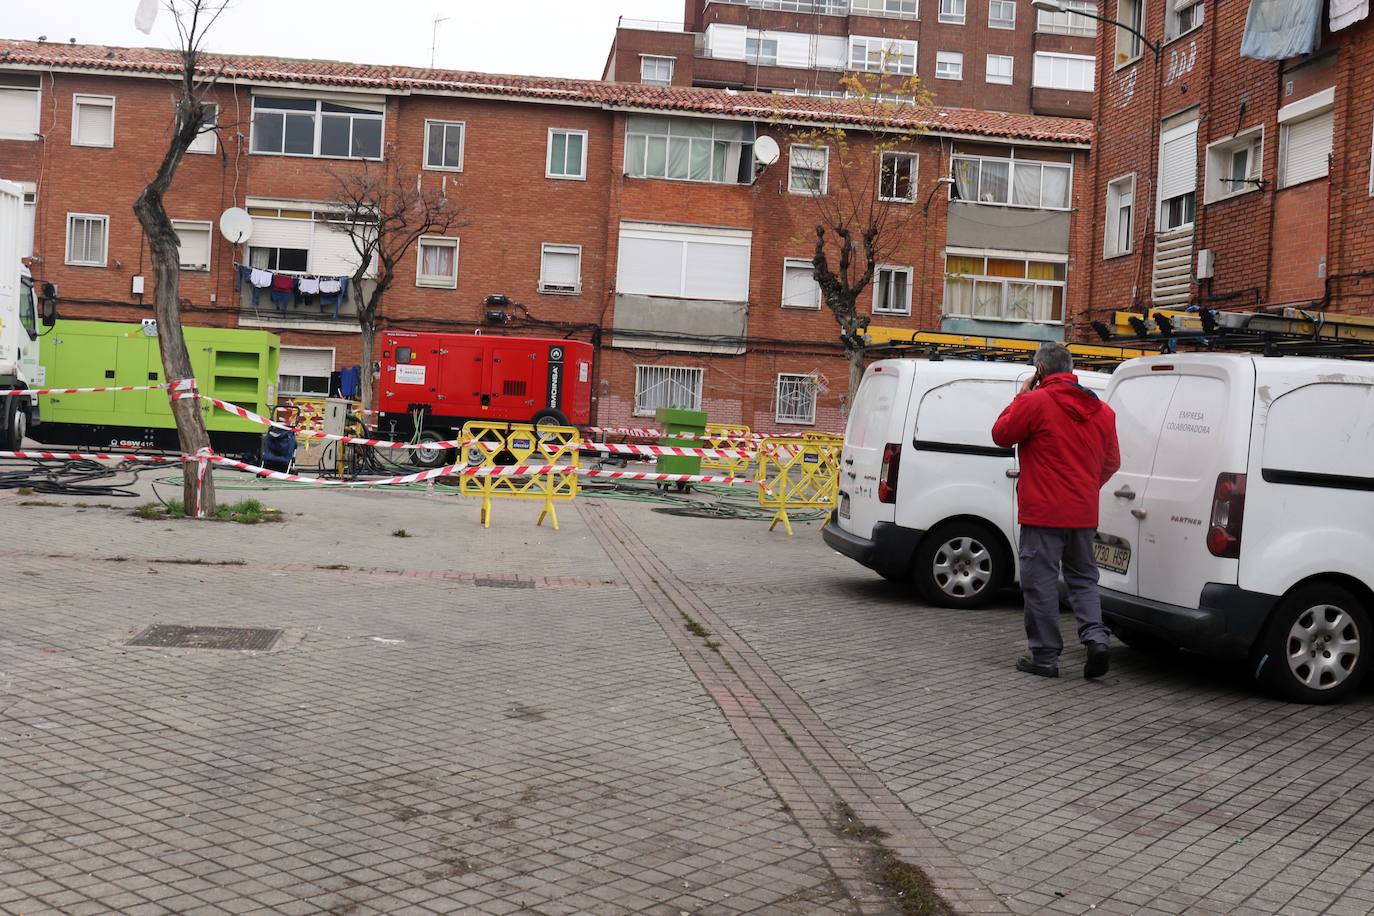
(1043, 552)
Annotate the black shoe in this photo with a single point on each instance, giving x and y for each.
(1098, 660)
(1026, 664)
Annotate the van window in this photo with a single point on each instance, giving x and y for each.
(1140, 404)
(868, 418)
(1193, 427)
(1322, 428)
(962, 412)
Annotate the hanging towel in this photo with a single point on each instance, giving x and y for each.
(1279, 29)
(309, 286)
(283, 283)
(1347, 12)
(260, 278)
(330, 285)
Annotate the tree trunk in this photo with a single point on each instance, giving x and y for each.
(856, 374)
(365, 387)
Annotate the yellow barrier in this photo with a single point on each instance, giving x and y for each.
(799, 474)
(500, 444)
(725, 437)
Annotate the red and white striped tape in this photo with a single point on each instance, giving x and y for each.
(248, 415)
(660, 434)
(95, 456)
(627, 449)
(23, 391)
(254, 469)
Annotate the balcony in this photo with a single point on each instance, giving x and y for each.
(894, 9)
(292, 309)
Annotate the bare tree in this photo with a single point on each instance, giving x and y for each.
(856, 229)
(385, 212)
(193, 19)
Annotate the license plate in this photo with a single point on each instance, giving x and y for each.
(1114, 556)
(844, 505)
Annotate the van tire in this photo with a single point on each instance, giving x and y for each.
(16, 423)
(1301, 632)
(977, 553)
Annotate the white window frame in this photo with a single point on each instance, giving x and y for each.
(915, 173)
(897, 9)
(952, 17)
(97, 101)
(657, 59)
(1316, 105)
(1001, 22)
(548, 155)
(799, 264)
(1000, 80)
(1067, 23)
(283, 389)
(642, 139)
(668, 275)
(1181, 129)
(1087, 62)
(1111, 237)
(676, 374)
(1218, 165)
(37, 92)
(104, 219)
(1128, 48)
(1011, 181)
(758, 57)
(430, 124)
(792, 166)
(953, 64)
(317, 116)
(1172, 27)
(206, 142)
(890, 54)
(202, 225)
(434, 281)
(559, 248)
(878, 284)
(800, 380)
(1005, 295)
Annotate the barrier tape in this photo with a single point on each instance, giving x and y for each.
(660, 434)
(651, 450)
(24, 391)
(95, 456)
(254, 469)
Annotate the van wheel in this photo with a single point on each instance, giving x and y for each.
(1316, 646)
(17, 426)
(426, 455)
(960, 565)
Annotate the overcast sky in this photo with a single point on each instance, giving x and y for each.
(542, 37)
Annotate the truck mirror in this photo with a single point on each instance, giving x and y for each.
(49, 312)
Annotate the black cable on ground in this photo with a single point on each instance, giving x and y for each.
(70, 478)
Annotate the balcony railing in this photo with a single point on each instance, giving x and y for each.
(826, 7)
(649, 25)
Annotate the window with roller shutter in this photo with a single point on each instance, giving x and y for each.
(560, 269)
(683, 262)
(19, 105)
(305, 370)
(93, 120)
(1305, 139)
(1177, 175)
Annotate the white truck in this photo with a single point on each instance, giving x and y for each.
(19, 332)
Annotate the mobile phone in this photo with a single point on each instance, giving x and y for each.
(1035, 381)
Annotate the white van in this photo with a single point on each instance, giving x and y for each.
(925, 494)
(1241, 522)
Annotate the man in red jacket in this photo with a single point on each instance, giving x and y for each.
(1066, 440)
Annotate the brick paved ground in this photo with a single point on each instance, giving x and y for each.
(419, 740)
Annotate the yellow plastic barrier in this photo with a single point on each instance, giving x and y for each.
(799, 474)
(722, 436)
(518, 444)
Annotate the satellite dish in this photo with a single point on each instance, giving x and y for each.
(236, 225)
(766, 150)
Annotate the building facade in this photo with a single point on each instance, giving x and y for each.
(991, 55)
(636, 217)
(1226, 180)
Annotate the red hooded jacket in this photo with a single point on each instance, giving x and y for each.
(1066, 438)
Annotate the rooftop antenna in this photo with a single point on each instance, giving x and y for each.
(434, 39)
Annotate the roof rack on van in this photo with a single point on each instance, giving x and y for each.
(1286, 330)
(879, 341)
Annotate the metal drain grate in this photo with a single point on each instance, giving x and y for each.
(503, 583)
(168, 636)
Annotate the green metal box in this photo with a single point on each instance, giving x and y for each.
(676, 424)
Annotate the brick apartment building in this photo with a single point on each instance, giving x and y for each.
(584, 201)
(991, 55)
(1227, 180)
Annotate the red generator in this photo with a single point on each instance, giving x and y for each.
(438, 382)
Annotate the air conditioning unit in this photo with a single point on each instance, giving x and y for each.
(1206, 264)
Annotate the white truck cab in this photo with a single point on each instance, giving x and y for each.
(1240, 523)
(19, 331)
(925, 493)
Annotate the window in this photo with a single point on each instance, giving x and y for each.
(1184, 16)
(291, 126)
(437, 263)
(305, 371)
(1128, 45)
(897, 177)
(1064, 71)
(205, 140)
(444, 145)
(949, 65)
(1012, 182)
(892, 291)
(1233, 166)
(796, 399)
(807, 167)
(1067, 22)
(1305, 138)
(560, 269)
(1003, 288)
(87, 239)
(1120, 212)
(799, 287)
(759, 50)
(952, 11)
(19, 103)
(286, 260)
(689, 149)
(684, 262)
(93, 120)
(193, 244)
(1001, 14)
(888, 55)
(1177, 175)
(906, 9)
(999, 68)
(655, 71)
(301, 237)
(567, 154)
(667, 386)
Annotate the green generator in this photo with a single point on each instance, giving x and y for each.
(233, 365)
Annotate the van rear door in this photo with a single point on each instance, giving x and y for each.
(876, 419)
